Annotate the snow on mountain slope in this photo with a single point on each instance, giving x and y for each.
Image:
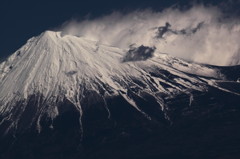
(64, 67)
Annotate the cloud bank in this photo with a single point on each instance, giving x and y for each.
(200, 34)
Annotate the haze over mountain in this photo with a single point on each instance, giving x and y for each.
(202, 34)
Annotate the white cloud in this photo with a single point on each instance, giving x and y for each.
(215, 42)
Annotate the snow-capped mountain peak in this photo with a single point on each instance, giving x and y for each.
(58, 67)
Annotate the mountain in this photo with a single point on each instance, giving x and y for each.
(64, 96)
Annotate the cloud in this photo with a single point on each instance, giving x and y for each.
(201, 34)
(162, 30)
(139, 53)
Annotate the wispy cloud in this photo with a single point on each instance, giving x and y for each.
(200, 34)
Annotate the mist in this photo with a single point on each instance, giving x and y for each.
(202, 34)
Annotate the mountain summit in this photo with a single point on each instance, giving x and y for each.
(77, 92)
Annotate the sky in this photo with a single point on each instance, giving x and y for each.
(21, 20)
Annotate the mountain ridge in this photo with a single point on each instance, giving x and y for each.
(57, 85)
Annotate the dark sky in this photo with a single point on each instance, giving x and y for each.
(21, 20)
